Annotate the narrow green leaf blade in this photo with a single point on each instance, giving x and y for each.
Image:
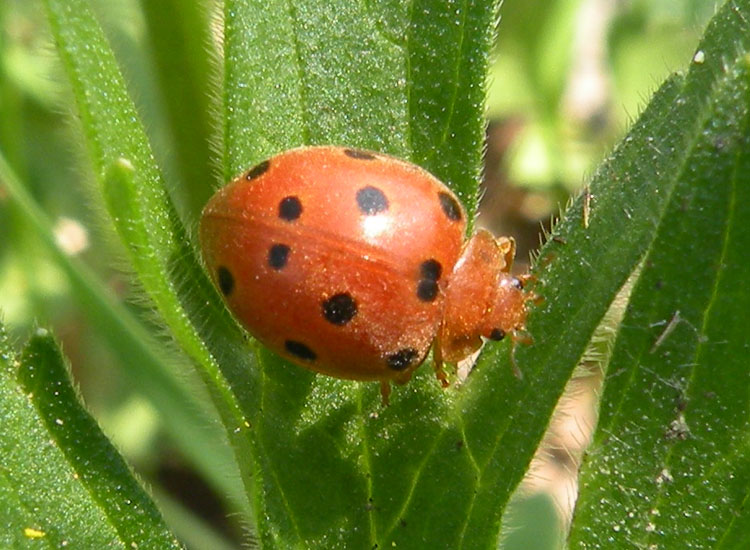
(184, 416)
(502, 418)
(447, 52)
(139, 206)
(670, 462)
(216, 344)
(62, 482)
(184, 55)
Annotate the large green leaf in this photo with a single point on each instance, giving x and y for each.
(336, 470)
(670, 462)
(62, 484)
(406, 78)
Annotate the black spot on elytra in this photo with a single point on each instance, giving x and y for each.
(431, 270)
(371, 200)
(257, 170)
(339, 309)
(226, 280)
(300, 350)
(497, 334)
(450, 206)
(278, 255)
(427, 290)
(402, 359)
(359, 154)
(290, 208)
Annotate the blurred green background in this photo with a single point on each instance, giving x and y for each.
(568, 77)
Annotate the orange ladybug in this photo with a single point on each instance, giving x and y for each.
(351, 263)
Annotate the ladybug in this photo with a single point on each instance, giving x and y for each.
(352, 263)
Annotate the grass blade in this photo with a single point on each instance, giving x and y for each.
(184, 417)
(158, 245)
(63, 483)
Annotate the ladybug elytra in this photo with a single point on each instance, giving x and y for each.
(352, 263)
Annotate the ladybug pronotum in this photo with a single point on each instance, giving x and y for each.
(352, 263)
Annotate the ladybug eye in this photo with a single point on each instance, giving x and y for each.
(517, 283)
(497, 334)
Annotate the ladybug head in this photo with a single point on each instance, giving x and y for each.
(508, 312)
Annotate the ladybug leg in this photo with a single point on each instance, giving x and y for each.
(520, 336)
(507, 246)
(437, 364)
(385, 392)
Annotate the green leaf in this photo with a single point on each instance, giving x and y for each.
(62, 482)
(331, 467)
(158, 245)
(402, 78)
(183, 415)
(670, 461)
(184, 56)
(336, 470)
